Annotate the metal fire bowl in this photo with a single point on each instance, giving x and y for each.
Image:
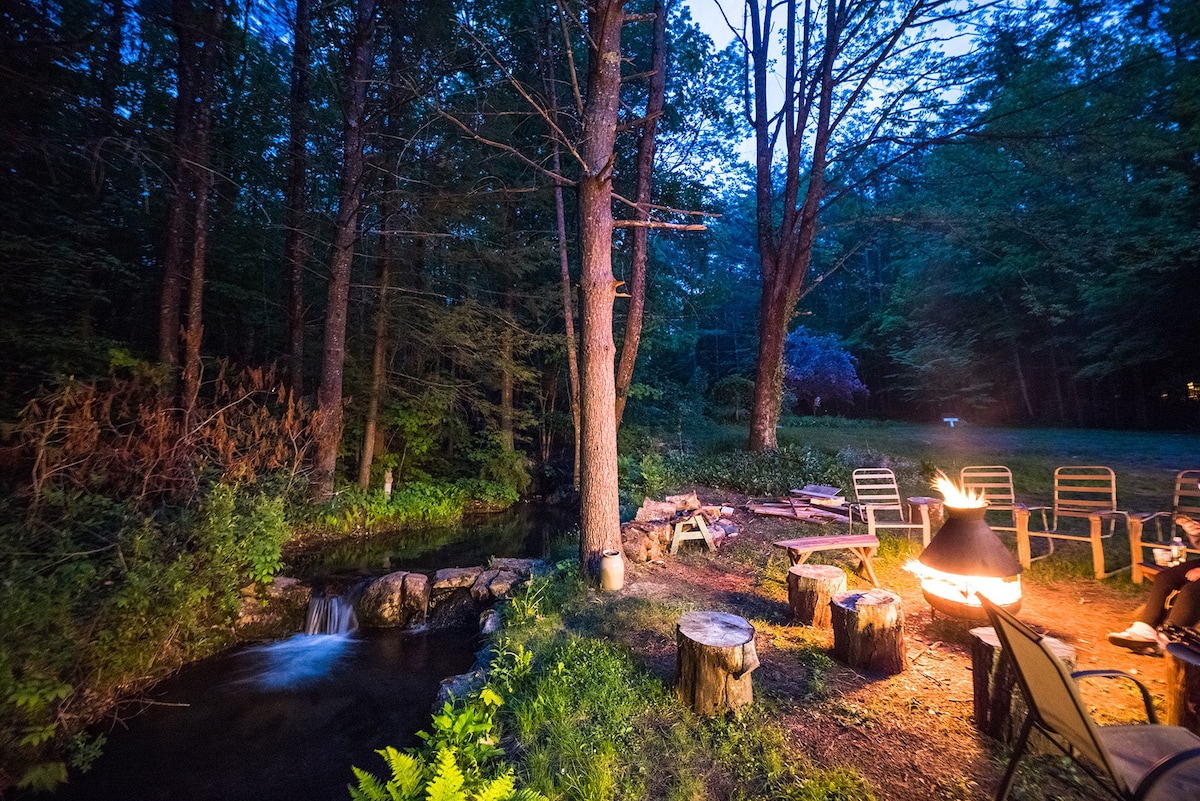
(964, 611)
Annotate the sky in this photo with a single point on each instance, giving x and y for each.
(708, 16)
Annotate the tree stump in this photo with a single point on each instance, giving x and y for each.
(714, 660)
(868, 630)
(1183, 687)
(999, 708)
(810, 589)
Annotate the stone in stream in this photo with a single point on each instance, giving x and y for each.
(397, 599)
(273, 610)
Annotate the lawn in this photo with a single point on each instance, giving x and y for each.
(1145, 462)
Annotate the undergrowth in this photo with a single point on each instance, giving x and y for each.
(413, 503)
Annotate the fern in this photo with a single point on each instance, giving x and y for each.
(408, 773)
(497, 789)
(447, 782)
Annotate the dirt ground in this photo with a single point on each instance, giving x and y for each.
(911, 734)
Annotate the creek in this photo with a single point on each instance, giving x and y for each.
(286, 720)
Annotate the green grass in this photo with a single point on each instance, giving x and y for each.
(1145, 462)
(589, 724)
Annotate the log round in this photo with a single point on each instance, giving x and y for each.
(715, 657)
(999, 708)
(868, 630)
(810, 589)
(1183, 687)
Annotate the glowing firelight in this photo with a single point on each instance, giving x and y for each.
(964, 589)
(959, 499)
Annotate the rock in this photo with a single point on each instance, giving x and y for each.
(480, 590)
(489, 622)
(452, 609)
(502, 584)
(454, 577)
(460, 686)
(397, 599)
(522, 567)
(277, 609)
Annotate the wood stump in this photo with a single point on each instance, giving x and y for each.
(999, 708)
(810, 589)
(714, 660)
(868, 630)
(1183, 687)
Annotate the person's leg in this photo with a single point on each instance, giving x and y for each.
(1186, 609)
(1165, 583)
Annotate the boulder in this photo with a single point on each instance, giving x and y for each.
(452, 578)
(522, 567)
(458, 687)
(273, 610)
(397, 599)
(502, 584)
(452, 609)
(480, 590)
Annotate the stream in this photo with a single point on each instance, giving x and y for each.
(286, 720)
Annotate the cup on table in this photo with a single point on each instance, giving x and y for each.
(1162, 556)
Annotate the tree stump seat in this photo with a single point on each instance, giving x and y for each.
(868, 631)
(811, 589)
(999, 708)
(714, 660)
(1183, 687)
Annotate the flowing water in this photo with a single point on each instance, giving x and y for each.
(285, 721)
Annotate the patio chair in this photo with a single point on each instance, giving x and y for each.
(1129, 761)
(1186, 501)
(1088, 493)
(878, 502)
(995, 483)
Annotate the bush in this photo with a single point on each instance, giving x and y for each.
(413, 503)
(100, 598)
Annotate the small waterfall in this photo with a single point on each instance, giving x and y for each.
(330, 615)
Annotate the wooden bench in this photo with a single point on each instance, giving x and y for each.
(861, 545)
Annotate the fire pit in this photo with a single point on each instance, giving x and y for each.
(966, 558)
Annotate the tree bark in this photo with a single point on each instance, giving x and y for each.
(206, 76)
(599, 512)
(175, 245)
(295, 248)
(329, 395)
(378, 363)
(641, 235)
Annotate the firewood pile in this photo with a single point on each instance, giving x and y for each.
(648, 536)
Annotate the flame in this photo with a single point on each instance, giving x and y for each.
(964, 589)
(955, 497)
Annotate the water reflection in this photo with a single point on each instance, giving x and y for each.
(526, 530)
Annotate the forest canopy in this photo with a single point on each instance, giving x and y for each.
(1031, 260)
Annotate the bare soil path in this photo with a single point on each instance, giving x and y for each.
(911, 734)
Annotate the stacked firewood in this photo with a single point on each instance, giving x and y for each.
(648, 536)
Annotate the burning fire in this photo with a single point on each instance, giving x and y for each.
(955, 497)
(964, 589)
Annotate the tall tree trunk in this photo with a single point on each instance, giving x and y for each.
(295, 249)
(641, 235)
(599, 513)
(175, 244)
(568, 316)
(564, 269)
(206, 76)
(329, 395)
(1022, 384)
(507, 433)
(378, 362)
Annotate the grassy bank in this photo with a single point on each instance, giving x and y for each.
(576, 718)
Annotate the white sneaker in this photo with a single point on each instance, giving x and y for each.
(1140, 637)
